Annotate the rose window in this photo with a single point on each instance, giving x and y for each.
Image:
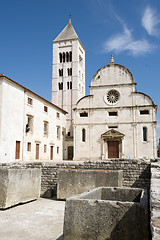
(112, 97)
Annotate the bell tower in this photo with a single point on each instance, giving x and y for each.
(68, 77)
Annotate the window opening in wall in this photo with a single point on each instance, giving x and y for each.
(60, 85)
(45, 148)
(69, 70)
(57, 150)
(29, 146)
(63, 57)
(60, 57)
(83, 114)
(70, 56)
(67, 57)
(144, 112)
(58, 132)
(45, 128)
(69, 134)
(45, 109)
(30, 101)
(70, 85)
(29, 125)
(144, 134)
(80, 58)
(83, 135)
(60, 72)
(113, 113)
(112, 126)
(58, 115)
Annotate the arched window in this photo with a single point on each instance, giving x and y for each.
(144, 134)
(60, 57)
(70, 56)
(63, 57)
(60, 72)
(83, 135)
(67, 57)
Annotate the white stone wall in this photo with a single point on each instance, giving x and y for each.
(14, 117)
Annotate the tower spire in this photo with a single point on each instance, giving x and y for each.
(69, 18)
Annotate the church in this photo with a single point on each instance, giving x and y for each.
(114, 121)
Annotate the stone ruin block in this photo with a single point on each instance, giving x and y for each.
(107, 214)
(75, 181)
(19, 186)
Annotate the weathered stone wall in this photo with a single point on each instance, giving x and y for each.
(155, 200)
(136, 173)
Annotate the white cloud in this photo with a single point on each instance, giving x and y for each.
(150, 20)
(125, 42)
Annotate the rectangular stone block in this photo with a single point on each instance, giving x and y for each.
(19, 186)
(107, 214)
(75, 181)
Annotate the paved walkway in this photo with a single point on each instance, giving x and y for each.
(37, 220)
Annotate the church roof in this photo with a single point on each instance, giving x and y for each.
(67, 33)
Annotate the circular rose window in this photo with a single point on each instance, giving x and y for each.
(112, 97)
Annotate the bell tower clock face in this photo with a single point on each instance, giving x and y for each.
(112, 97)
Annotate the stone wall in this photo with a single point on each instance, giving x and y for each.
(155, 200)
(136, 173)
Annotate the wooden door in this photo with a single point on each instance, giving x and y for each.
(70, 152)
(37, 151)
(51, 152)
(113, 149)
(17, 153)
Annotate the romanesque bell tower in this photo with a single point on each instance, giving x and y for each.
(68, 78)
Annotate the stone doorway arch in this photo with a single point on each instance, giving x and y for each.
(112, 144)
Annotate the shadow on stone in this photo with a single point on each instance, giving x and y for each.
(135, 230)
(60, 238)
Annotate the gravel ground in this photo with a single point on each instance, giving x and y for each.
(38, 220)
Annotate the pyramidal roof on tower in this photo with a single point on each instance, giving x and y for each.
(68, 33)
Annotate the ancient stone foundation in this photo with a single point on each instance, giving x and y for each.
(107, 214)
(19, 185)
(75, 181)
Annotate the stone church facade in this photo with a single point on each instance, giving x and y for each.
(114, 121)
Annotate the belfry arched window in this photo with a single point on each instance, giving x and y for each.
(70, 56)
(64, 57)
(67, 57)
(144, 134)
(60, 57)
(83, 135)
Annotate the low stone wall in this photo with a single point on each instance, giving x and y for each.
(136, 173)
(155, 200)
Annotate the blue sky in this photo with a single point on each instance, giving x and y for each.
(130, 30)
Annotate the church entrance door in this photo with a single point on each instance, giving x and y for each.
(113, 149)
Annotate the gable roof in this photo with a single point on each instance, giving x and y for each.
(67, 33)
